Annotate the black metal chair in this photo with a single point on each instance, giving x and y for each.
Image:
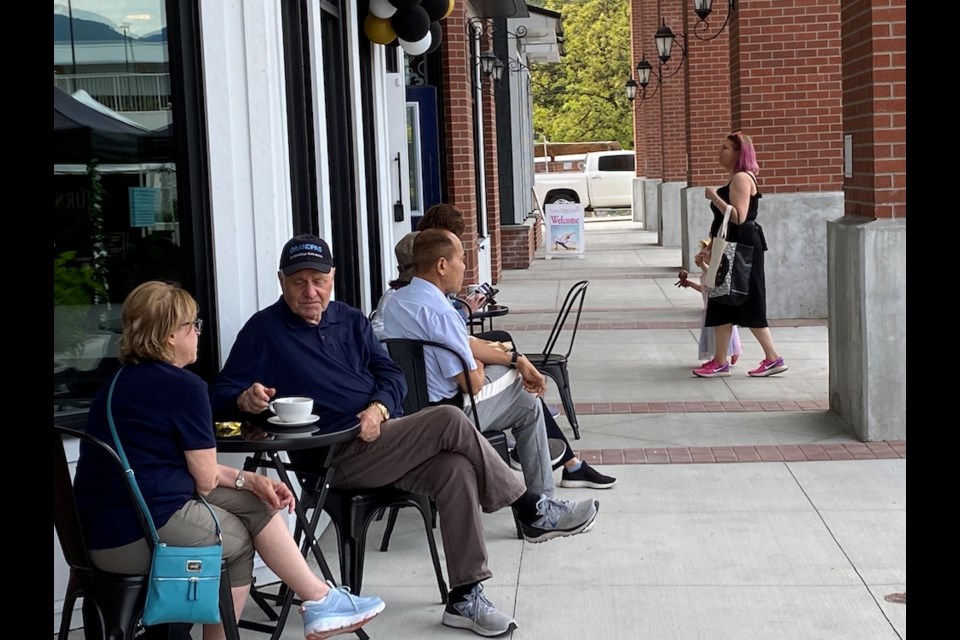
(409, 354)
(352, 511)
(555, 364)
(112, 603)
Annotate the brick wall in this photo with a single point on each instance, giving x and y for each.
(673, 94)
(646, 20)
(491, 187)
(775, 73)
(457, 104)
(708, 111)
(786, 91)
(638, 46)
(518, 244)
(875, 106)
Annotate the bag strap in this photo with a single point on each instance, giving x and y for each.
(132, 479)
(722, 232)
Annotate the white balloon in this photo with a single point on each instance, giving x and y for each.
(382, 9)
(416, 47)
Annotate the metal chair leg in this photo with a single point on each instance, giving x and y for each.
(425, 509)
(388, 530)
(563, 388)
(567, 398)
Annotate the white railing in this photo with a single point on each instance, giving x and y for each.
(121, 91)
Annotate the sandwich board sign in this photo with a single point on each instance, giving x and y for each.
(565, 235)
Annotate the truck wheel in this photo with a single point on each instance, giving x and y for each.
(561, 198)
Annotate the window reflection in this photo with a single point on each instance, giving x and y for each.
(115, 210)
(413, 159)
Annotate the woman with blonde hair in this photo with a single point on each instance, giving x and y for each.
(163, 419)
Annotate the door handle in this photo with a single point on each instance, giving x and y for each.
(398, 205)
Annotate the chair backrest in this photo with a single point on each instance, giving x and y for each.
(575, 297)
(409, 355)
(66, 519)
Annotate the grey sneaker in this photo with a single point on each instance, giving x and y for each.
(557, 448)
(478, 614)
(560, 518)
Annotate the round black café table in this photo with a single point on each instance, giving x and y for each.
(480, 317)
(266, 443)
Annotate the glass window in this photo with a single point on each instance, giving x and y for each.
(413, 158)
(116, 219)
(621, 162)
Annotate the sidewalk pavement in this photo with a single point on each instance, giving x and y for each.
(744, 508)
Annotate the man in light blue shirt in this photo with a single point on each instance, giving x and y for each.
(509, 385)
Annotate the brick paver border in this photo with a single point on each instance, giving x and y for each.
(585, 325)
(750, 453)
(699, 406)
(701, 455)
(770, 453)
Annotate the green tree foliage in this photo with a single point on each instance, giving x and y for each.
(581, 98)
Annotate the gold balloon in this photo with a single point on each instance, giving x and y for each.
(379, 30)
(449, 10)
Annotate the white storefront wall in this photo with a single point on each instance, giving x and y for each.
(249, 175)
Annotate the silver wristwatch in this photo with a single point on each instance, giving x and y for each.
(240, 481)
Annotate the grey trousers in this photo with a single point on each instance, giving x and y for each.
(439, 453)
(504, 403)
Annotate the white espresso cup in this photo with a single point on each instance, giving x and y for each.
(292, 409)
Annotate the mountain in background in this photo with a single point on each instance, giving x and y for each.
(64, 10)
(83, 30)
(155, 36)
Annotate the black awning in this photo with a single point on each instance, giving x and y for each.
(81, 133)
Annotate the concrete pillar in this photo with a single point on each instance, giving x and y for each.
(669, 229)
(795, 264)
(651, 203)
(867, 247)
(867, 270)
(638, 200)
(695, 220)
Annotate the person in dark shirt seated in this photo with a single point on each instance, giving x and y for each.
(163, 419)
(305, 344)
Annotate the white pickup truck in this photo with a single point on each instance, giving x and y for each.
(605, 182)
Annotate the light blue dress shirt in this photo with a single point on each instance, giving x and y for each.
(421, 311)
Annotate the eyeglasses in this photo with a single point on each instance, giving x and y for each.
(197, 325)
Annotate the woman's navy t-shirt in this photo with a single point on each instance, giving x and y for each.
(159, 411)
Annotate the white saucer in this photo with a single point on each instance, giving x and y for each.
(276, 421)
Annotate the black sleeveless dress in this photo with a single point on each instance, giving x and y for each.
(753, 312)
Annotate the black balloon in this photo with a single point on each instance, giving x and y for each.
(406, 4)
(411, 24)
(435, 8)
(436, 32)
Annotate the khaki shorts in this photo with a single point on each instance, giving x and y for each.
(242, 516)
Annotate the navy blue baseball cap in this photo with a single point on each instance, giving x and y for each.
(306, 251)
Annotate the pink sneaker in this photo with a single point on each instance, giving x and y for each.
(733, 359)
(706, 364)
(713, 370)
(768, 368)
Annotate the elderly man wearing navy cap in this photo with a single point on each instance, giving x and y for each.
(306, 344)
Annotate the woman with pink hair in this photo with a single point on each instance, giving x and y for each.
(741, 195)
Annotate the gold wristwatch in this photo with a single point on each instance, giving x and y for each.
(382, 408)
